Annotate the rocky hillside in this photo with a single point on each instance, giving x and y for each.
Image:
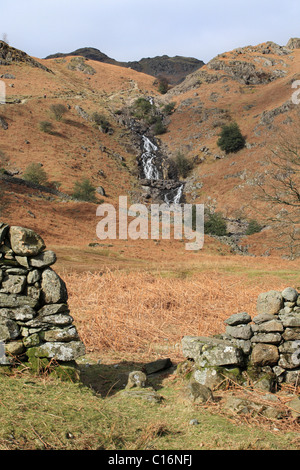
(9, 55)
(174, 69)
(251, 86)
(107, 108)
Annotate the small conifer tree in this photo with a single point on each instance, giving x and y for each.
(231, 138)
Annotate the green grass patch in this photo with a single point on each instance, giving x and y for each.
(46, 413)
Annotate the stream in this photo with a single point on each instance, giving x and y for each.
(149, 161)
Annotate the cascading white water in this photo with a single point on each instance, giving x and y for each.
(151, 172)
(174, 196)
(149, 168)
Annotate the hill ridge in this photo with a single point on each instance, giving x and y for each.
(175, 69)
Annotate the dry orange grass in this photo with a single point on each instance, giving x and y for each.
(146, 313)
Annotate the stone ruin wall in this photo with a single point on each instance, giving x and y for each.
(36, 325)
(264, 349)
(35, 321)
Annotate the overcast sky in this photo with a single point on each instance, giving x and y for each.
(129, 30)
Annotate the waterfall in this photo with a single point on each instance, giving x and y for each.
(149, 168)
(174, 196)
(151, 172)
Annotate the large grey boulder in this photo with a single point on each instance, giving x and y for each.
(198, 393)
(269, 302)
(240, 331)
(238, 319)
(44, 259)
(264, 354)
(25, 242)
(53, 288)
(290, 294)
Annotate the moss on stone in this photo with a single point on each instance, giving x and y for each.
(35, 363)
(67, 372)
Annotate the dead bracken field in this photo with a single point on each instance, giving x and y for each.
(148, 313)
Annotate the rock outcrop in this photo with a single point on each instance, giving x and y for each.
(175, 69)
(245, 72)
(293, 43)
(35, 322)
(9, 55)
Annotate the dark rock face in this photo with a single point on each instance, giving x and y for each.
(174, 69)
(35, 320)
(87, 52)
(9, 54)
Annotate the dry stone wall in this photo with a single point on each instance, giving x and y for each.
(264, 349)
(35, 320)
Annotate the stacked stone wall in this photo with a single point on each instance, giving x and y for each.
(35, 320)
(264, 349)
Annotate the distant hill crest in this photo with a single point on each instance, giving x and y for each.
(175, 69)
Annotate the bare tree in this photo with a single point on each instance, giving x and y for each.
(279, 187)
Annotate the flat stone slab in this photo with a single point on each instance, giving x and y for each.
(211, 351)
(156, 366)
(238, 319)
(13, 300)
(44, 259)
(60, 351)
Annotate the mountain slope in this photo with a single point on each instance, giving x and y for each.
(175, 69)
(252, 86)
